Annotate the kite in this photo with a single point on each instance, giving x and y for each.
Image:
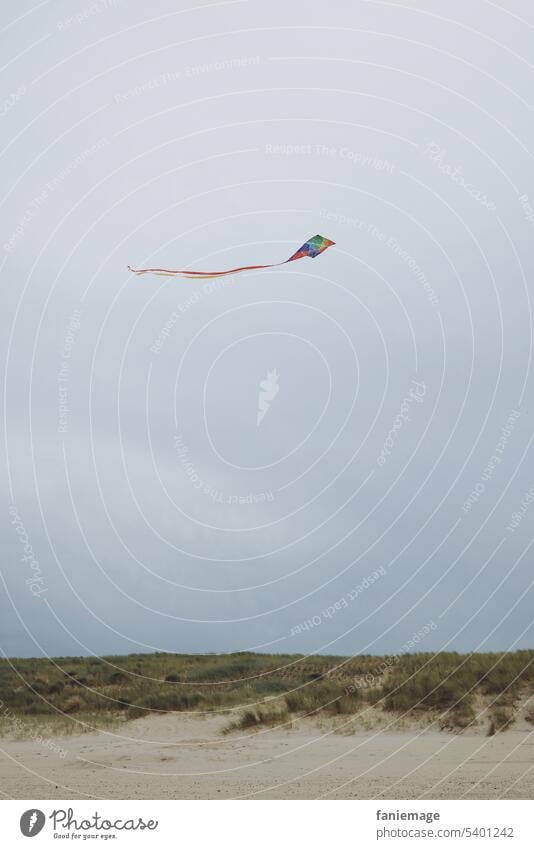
(312, 248)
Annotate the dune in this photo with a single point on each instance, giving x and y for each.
(187, 756)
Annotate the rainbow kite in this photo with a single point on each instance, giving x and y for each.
(313, 247)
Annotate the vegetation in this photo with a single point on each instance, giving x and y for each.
(502, 714)
(454, 688)
(269, 716)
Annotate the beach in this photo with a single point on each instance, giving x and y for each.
(179, 756)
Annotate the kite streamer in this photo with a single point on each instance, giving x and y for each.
(313, 247)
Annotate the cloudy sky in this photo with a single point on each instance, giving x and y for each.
(330, 456)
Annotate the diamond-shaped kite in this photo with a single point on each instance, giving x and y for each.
(312, 248)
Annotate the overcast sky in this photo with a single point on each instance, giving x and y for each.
(330, 456)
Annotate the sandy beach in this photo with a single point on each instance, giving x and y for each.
(181, 756)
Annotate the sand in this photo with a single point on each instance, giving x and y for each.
(179, 756)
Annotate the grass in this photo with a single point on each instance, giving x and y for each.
(461, 716)
(262, 716)
(49, 726)
(64, 692)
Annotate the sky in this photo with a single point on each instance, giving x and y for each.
(333, 456)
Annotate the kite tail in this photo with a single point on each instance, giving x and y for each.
(312, 248)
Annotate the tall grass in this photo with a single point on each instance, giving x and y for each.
(133, 686)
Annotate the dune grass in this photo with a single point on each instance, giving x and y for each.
(270, 715)
(113, 689)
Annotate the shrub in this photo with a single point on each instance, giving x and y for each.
(345, 704)
(118, 678)
(373, 695)
(80, 681)
(72, 705)
(501, 719)
(163, 701)
(296, 702)
(136, 711)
